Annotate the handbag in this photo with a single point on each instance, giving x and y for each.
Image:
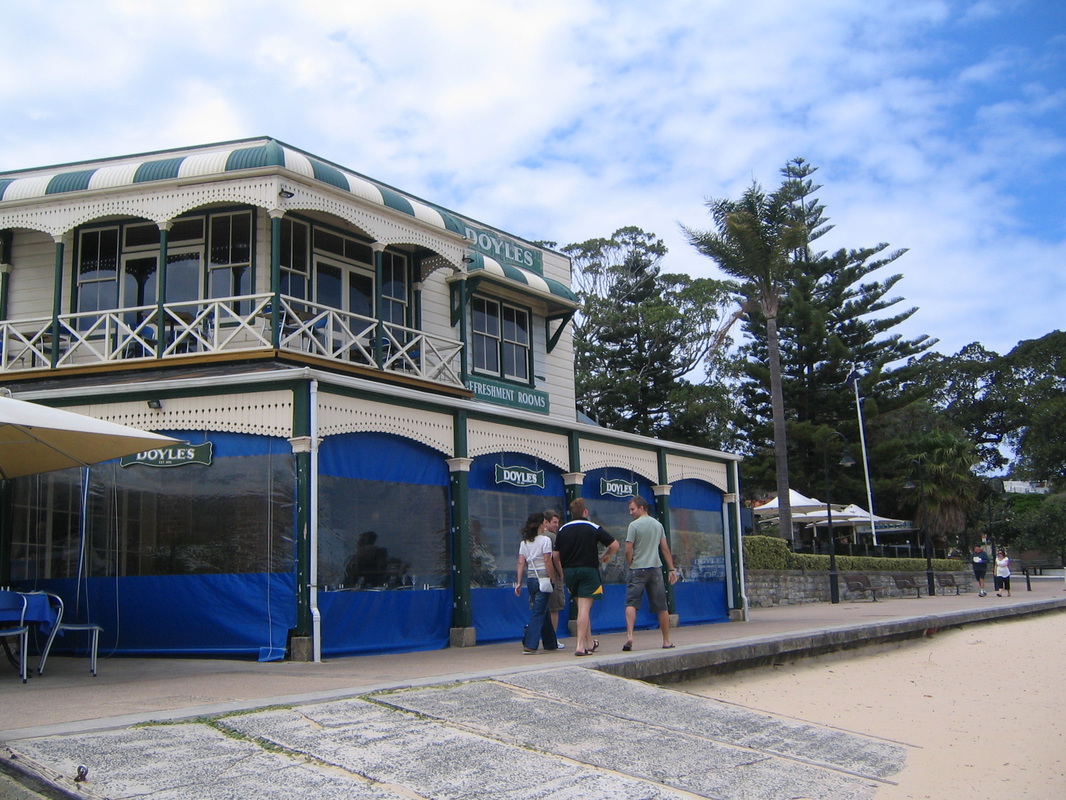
(545, 583)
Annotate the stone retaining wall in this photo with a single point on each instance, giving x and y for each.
(770, 587)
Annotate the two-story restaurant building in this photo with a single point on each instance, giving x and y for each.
(375, 393)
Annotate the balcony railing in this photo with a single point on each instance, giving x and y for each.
(226, 325)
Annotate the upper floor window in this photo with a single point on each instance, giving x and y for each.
(295, 258)
(230, 255)
(501, 341)
(119, 266)
(394, 288)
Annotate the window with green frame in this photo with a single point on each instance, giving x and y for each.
(501, 339)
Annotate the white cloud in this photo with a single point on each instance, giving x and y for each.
(565, 119)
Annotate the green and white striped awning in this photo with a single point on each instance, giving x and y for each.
(215, 160)
(557, 294)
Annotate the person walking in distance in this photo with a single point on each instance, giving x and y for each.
(980, 567)
(535, 552)
(645, 540)
(577, 555)
(557, 602)
(1002, 574)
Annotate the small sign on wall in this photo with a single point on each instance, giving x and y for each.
(175, 456)
(617, 488)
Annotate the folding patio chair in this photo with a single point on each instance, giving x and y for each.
(92, 629)
(13, 622)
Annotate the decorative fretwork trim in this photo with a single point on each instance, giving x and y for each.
(680, 468)
(598, 455)
(485, 438)
(263, 413)
(161, 205)
(338, 414)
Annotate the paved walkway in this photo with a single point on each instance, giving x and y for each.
(473, 722)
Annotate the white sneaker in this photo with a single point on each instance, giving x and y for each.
(981, 594)
(561, 646)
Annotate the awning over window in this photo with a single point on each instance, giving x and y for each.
(557, 294)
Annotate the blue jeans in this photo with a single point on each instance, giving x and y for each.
(540, 627)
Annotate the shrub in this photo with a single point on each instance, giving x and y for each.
(766, 552)
(771, 552)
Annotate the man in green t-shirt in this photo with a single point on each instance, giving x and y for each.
(645, 540)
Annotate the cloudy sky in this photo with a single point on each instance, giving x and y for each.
(937, 125)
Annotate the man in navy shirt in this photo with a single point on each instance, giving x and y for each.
(980, 567)
(577, 554)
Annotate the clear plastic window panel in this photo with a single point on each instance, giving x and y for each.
(496, 520)
(378, 535)
(234, 516)
(697, 540)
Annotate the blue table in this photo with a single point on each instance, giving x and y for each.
(39, 612)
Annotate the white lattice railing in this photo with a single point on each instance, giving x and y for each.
(226, 325)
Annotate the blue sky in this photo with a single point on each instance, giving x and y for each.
(937, 125)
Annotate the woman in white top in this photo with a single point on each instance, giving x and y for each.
(535, 552)
(1002, 573)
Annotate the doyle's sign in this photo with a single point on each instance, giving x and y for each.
(175, 456)
(618, 488)
(520, 476)
(502, 394)
(506, 250)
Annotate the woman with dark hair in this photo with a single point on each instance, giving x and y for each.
(535, 552)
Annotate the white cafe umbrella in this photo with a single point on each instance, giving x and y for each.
(841, 517)
(36, 438)
(798, 502)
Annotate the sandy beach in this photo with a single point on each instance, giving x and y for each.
(983, 708)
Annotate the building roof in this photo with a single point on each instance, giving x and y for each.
(252, 154)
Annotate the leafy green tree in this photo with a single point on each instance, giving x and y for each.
(1012, 404)
(1043, 527)
(1038, 370)
(754, 240)
(640, 333)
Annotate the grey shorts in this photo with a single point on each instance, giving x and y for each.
(651, 580)
(557, 602)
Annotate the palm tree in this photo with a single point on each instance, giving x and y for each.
(947, 488)
(755, 240)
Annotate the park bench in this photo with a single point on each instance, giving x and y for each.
(906, 582)
(857, 582)
(945, 580)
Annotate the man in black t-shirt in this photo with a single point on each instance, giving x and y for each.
(576, 554)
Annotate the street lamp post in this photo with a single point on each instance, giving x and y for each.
(930, 582)
(845, 461)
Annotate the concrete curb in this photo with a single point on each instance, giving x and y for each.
(693, 661)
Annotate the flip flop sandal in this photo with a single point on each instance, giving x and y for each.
(627, 646)
(582, 652)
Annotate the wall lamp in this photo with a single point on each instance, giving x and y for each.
(155, 404)
(468, 259)
(285, 194)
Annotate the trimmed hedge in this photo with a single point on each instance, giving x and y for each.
(771, 552)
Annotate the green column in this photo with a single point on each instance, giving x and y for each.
(6, 237)
(161, 294)
(573, 480)
(463, 633)
(736, 543)
(275, 277)
(662, 507)
(301, 431)
(379, 339)
(57, 301)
